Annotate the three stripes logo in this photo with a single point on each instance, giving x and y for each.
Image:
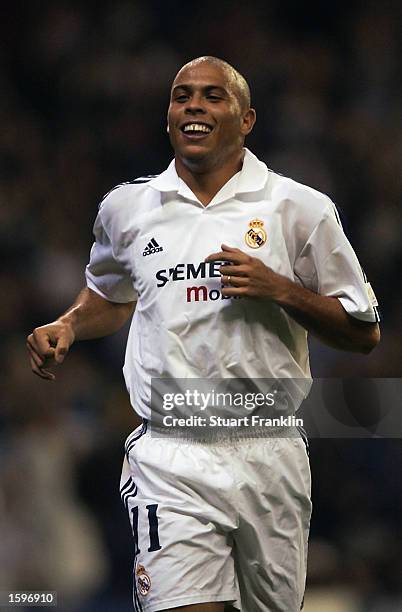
(127, 491)
(151, 248)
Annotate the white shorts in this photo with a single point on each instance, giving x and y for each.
(214, 522)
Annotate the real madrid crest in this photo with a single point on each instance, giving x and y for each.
(256, 236)
(143, 580)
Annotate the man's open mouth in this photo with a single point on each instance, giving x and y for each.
(196, 129)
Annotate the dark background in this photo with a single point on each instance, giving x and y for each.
(84, 94)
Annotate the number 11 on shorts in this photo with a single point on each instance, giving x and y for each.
(154, 543)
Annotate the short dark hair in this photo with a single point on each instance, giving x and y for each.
(240, 84)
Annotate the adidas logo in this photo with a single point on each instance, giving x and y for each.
(151, 248)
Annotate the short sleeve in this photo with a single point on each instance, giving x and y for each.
(328, 265)
(104, 274)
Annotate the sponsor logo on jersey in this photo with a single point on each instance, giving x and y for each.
(151, 248)
(256, 236)
(190, 271)
(143, 580)
(183, 271)
(203, 293)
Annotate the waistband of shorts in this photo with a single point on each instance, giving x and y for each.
(217, 435)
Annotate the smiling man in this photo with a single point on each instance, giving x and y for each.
(231, 265)
(209, 117)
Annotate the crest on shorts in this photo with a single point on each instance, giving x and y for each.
(143, 580)
(255, 236)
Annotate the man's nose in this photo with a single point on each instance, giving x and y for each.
(195, 106)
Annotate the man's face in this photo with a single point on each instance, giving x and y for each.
(206, 123)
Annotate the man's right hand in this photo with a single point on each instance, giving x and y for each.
(91, 316)
(48, 345)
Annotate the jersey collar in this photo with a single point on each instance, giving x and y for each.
(252, 177)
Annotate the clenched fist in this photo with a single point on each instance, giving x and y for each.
(48, 345)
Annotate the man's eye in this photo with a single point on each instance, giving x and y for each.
(214, 98)
(181, 98)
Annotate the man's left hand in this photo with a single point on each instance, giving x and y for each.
(248, 276)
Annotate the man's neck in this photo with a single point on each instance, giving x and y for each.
(205, 184)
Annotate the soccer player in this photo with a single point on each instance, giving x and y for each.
(230, 265)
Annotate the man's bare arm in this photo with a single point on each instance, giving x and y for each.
(321, 315)
(91, 316)
(326, 318)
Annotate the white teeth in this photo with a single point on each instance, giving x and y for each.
(197, 127)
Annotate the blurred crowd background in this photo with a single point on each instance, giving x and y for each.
(84, 93)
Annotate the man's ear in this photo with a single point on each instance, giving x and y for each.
(249, 119)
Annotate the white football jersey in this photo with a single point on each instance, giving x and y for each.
(152, 237)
